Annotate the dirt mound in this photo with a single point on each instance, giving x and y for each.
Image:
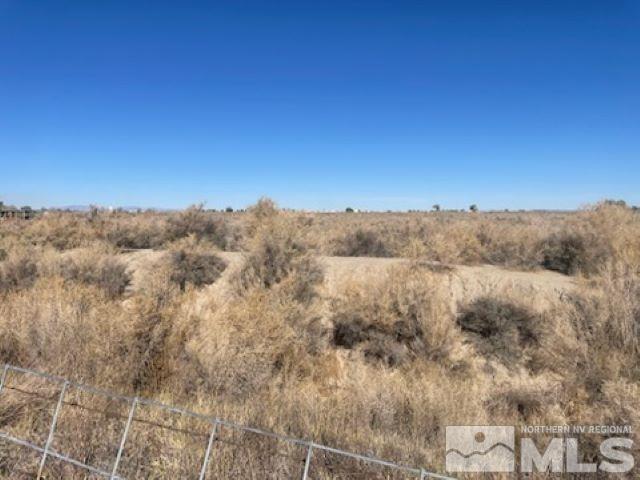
(466, 282)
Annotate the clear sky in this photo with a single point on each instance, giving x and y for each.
(323, 104)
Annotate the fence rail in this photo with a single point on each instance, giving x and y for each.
(134, 403)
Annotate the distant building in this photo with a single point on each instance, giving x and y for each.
(7, 212)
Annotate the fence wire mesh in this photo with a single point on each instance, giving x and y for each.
(78, 431)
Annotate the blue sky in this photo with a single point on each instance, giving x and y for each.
(380, 105)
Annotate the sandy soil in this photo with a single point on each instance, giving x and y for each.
(466, 282)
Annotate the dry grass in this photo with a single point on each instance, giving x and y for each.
(396, 321)
(380, 367)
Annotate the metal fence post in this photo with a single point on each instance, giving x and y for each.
(124, 438)
(212, 437)
(52, 429)
(307, 462)
(4, 376)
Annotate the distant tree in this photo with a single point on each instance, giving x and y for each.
(26, 208)
(473, 208)
(348, 210)
(228, 209)
(436, 208)
(618, 203)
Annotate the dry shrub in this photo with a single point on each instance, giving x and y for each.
(194, 263)
(361, 243)
(61, 230)
(264, 211)
(593, 339)
(278, 257)
(525, 401)
(620, 306)
(67, 329)
(272, 260)
(134, 231)
(509, 243)
(399, 319)
(564, 253)
(572, 253)
(598, 235)
(499, 328)
(125, 230)
(618, 227)
(250, 342)
(19, 270)
(199, 223)
(503, 239)
(574, 242)
(270, 329)
(104, 271)
(453, 243)
(606, 313)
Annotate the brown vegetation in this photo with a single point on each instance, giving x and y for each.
(379, 367)
(194, 263)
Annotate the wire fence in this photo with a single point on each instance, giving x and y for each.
(203, 448)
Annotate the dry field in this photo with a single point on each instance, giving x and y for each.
(365, 331)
